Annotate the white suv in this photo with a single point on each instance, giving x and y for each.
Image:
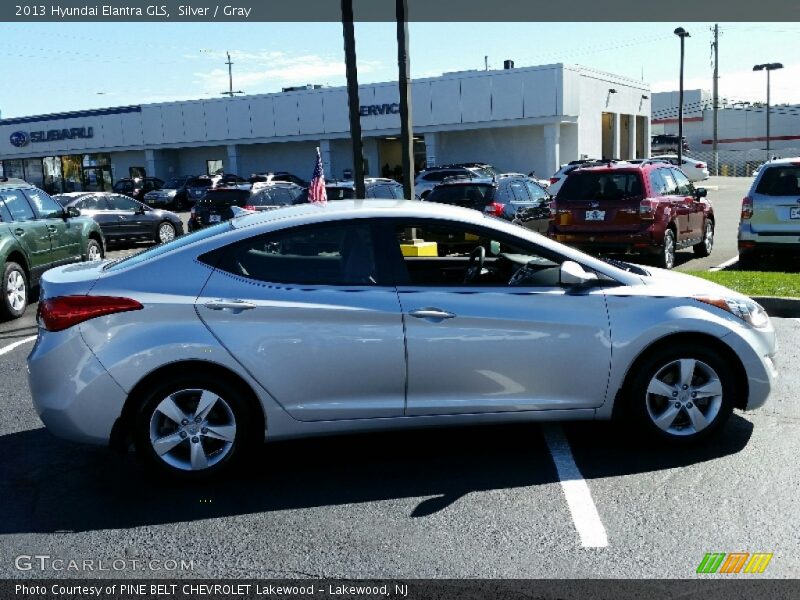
(770, 220)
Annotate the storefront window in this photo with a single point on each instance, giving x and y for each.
(72, 172)
(96, 160)
(33, 171)
(136, 172)
(13, 168)
(53, 184)
(214, 167)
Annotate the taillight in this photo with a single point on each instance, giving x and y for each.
(249, 207)
(553, 180)
(700, 165)
(496, 209)
(747, 208)
(647, 209)
(63, 312)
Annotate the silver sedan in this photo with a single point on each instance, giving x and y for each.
(358, 316)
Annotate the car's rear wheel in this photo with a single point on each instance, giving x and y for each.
(94, 251)
(14, 290)
(193, 427)
(666, 258)
(682, 393)
(165, 233)
(704, 248)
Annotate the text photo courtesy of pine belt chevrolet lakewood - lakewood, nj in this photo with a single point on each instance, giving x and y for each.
(357, 299)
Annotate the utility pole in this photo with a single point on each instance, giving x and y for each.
(406, 133)
(715, 138)
(230, 91)
(352, 97)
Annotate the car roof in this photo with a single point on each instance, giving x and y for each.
(14, 182)
(795, 160)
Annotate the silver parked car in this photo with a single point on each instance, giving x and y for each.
(770, 220)
(341, 318)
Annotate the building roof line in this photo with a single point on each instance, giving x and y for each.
(75, 114)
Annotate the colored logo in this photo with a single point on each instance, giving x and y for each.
(19, 138)
(735, 562)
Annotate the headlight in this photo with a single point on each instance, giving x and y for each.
(747, 310)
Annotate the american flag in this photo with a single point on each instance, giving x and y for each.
(316, 189)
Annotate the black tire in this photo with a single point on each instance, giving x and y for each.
(93, 248)
(666, 258)
(645, 407)
(704, 248)
(221, 458)
(12, 293)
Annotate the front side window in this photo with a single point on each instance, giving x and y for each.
(17, 205)
(519, 191)
(124, 186)
(92, 203)
(454, 254)
(43, 205)
(670, 185)
(684, 186)
(330, 254)
(122, 203)
(536, 191)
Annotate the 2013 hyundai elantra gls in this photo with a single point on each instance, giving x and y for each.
(323, 319)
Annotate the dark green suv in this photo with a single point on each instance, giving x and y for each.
(36, 233)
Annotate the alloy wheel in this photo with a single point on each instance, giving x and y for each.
(684, 397)
(708, 238)
(668, 256)
(16, 293)
(93, 252)
(192, 429)
(166, 233)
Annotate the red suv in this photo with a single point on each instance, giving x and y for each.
(649, 208)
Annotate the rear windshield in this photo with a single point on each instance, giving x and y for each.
(469, 196)
(780, 181)
(174, 184)
(601, 186)
(225, 197)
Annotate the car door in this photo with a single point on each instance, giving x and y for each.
(694, 207)
(65, 234)
(487, 346)
(680, 207)
(30, 232)
(96, 207)
(131, 224)
(309, 316)
(538, 214)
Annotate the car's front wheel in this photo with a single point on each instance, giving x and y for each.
(682, 393)
(14, 290)
(94, 251)
(193, 427)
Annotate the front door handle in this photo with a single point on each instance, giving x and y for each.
(432, 314)
(234, 306)
(52, 228)
(19, 231)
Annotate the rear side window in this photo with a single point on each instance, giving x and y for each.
(536, 191)
(328, 254)
(17, 205)
(92, 203)
(43, 205)
(340, 193)
(382, 191)
(780, 181)
(519, 191)
(605, 185)
(468, 196)
(122, 203)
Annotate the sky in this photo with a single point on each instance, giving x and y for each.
(61, 67)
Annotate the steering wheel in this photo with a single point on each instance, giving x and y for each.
(475, 265)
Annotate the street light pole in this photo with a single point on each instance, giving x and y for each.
(681, 33)
(352, 97)
(768, 67)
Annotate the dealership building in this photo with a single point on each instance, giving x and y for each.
(518, 119)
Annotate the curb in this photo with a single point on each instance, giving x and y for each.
(779, 307)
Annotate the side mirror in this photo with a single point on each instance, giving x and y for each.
(700, 193)
(571, 273)
(70, 212)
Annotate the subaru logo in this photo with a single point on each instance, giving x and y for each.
(19, 138)
(594, 204)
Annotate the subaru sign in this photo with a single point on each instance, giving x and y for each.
(19, 139)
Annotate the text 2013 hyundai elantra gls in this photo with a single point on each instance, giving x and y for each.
(321, 319)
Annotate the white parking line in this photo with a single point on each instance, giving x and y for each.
(579, 498)
(726, 264)
(10, 347)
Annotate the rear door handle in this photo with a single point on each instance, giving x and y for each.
(234, 306)
(432, 314)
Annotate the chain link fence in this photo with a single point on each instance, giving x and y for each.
(739, 163)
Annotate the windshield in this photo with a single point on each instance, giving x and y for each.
(180, 242)
(470, 196)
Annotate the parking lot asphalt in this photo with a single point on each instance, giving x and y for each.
(460, 502)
